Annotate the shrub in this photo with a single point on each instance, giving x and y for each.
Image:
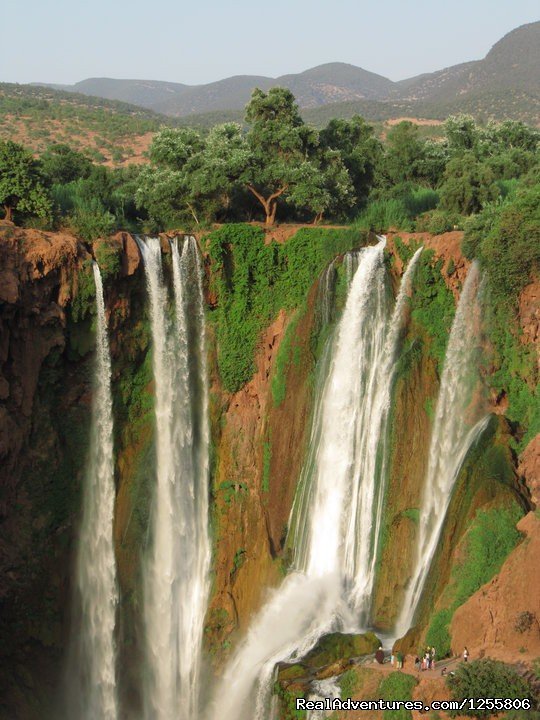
(90, 225)
(438, 221)
(83, 303)
(524, 621)
(380, 215)
(108, 258)
(420, 200)
(486, 679)
(397, 686)
(348, 683)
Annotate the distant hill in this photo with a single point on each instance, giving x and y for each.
(513, 64)
(113, 120)
(145, 93)
(108, 131)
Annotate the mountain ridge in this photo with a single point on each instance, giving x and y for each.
(511, 64)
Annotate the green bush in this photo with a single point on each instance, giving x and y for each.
(304, 256)
(486, 679)
(90, 224)
(245, 273)
(381, 215)
(397, 686)
(83, 303)
(438, 222)
(348, 682)
(505, 237)
(108, 258)
(420, 200)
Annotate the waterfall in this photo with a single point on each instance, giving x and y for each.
(335, 520)
(96, 566)
(451, 439)
(176, 573)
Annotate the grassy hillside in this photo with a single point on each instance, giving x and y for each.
(109, 131)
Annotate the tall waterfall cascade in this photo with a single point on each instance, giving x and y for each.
(451, 438)
(176, 573)
(96, 565)
(335, 521)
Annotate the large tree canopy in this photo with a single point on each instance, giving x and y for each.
(360, 151)
(280, 144)
(20, 184)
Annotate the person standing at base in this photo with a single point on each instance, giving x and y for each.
(465, 655)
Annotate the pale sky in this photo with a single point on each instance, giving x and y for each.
(64, 41)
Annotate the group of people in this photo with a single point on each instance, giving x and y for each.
(428, 660)
(426, 663)
(398, 659)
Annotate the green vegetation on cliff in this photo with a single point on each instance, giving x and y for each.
(506, 240)
(491, 537)
(253, 280)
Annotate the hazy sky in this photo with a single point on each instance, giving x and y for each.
(203, 40)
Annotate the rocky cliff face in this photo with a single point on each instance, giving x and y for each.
(502, 619)
(44, 401)
(259, 441)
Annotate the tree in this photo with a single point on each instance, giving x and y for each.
(462, 134)
(61, 164)
(360, 151)
(322, 187)
(213, 174)
(161, 192)
(403, 152)
(469, 184)
(486, 679)
(279, 144)
(20, 185)
(174, 147)
(191, 176)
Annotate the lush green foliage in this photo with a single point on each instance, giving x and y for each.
(254, 280)
(397, 686)
(108, 258)
(348, 683)
(486, 678)
(60, 164)
(83, 302)
(432, 304)
(506, 239)
(21, 189)
(287, 699)
(246, 270)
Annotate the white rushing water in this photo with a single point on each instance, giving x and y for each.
(454, 432)
(322, 689)
(176, 573)
(336, 516)
(96, 565)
